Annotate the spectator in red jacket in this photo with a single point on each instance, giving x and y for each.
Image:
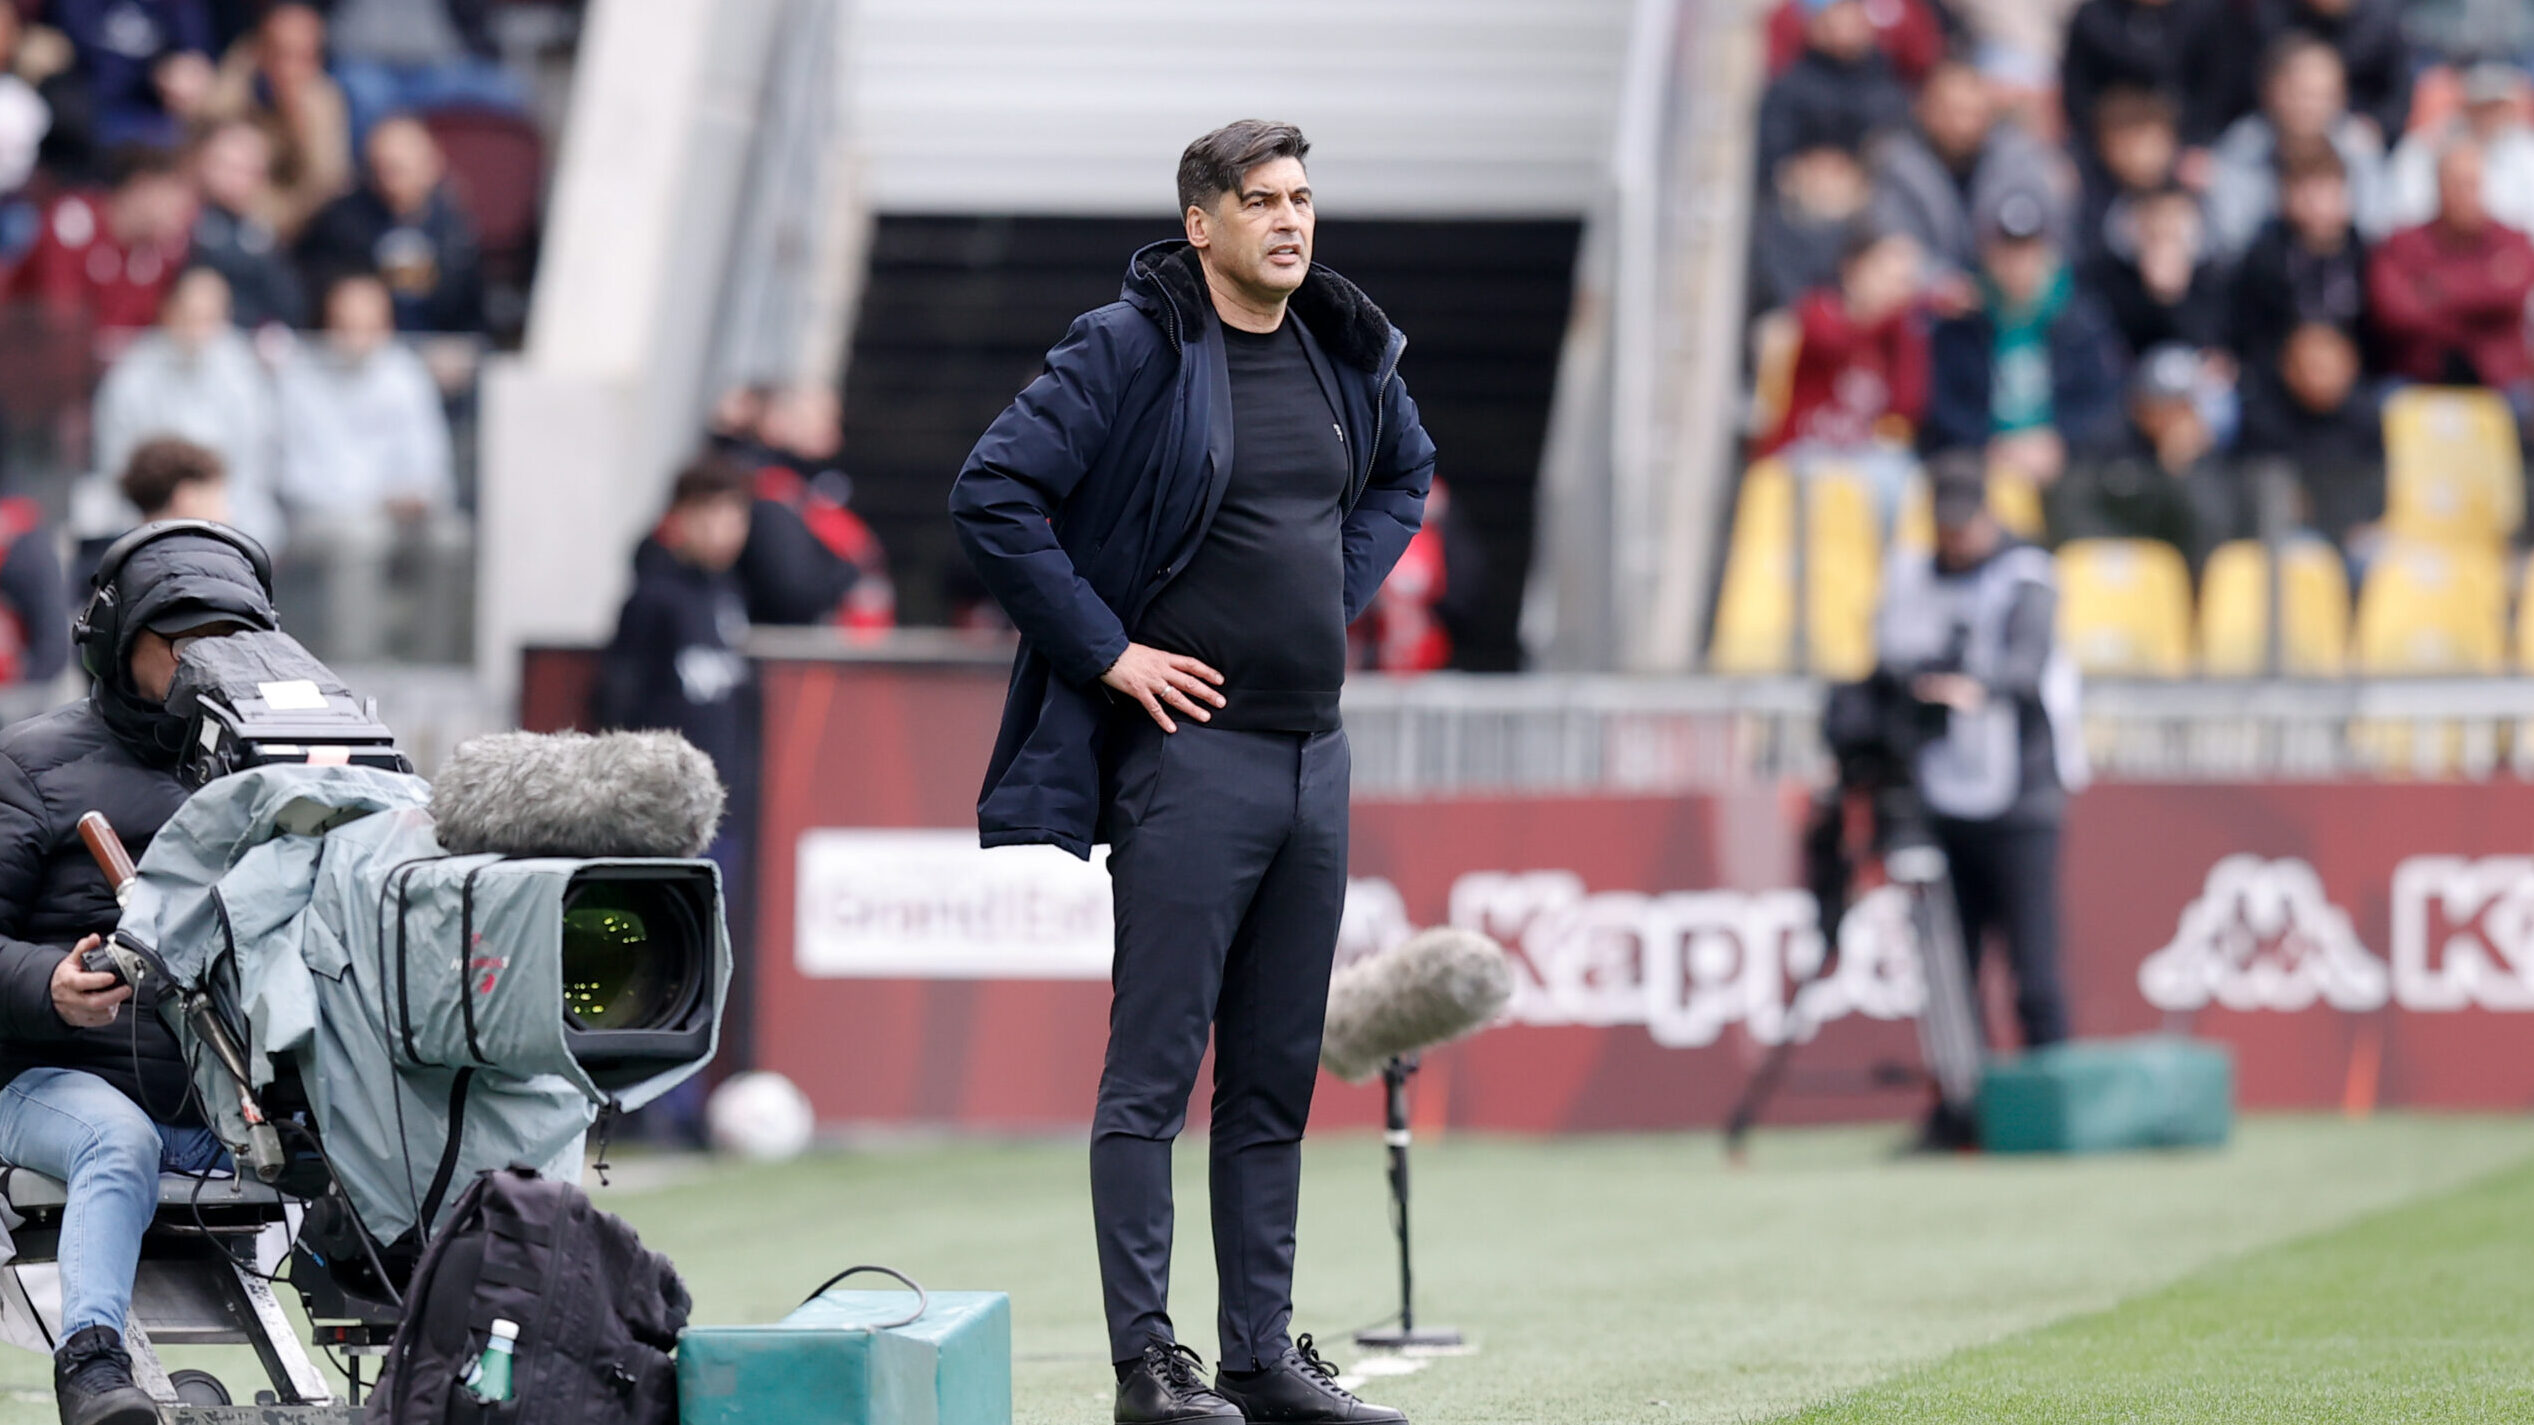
(1405, 630)
(1861, 365)
(1907, 32)
(2448, 297)
(111, 258)
(804, 511)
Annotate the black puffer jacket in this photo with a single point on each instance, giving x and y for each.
(112, 753)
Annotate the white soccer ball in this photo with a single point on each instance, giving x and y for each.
(760, 1116)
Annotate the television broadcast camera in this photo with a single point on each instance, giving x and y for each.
(384, 986)
(1875, 729)
(634, 936)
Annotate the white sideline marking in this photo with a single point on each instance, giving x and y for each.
(1386, 1364)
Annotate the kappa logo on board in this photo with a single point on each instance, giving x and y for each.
(1685, 964)
(2262, 935)
(2463, 933)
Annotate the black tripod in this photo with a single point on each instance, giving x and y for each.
(1394, 1082)
(1948, 1024)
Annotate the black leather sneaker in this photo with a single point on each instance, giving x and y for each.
(1167, 1387)
(1301, 1389)
(92, 1382)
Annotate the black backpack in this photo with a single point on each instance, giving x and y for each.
(597, 1313)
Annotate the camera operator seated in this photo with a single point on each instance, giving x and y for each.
(96, 1090)
(1971, 630)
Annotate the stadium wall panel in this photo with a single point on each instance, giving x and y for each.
(1415, 108)
(2356, 944)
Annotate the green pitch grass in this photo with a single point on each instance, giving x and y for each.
(2424, 1312)
(2315, 1271)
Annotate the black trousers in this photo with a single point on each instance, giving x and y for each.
(2006, 879)
(1228, 868)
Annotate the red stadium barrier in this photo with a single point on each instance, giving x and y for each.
(2357, 944)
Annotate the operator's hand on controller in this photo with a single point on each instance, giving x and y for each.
(1958, 691)
(87, 999)
(1156, 679)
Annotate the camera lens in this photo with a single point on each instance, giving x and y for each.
(628, 957)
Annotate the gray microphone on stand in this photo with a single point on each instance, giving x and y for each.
(1385, 1010)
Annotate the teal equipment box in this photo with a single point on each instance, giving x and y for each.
(2096, 1096)
(831, 1361)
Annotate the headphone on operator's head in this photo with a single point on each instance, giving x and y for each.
(99, 626)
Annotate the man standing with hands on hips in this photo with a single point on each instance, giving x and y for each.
(1181, 515)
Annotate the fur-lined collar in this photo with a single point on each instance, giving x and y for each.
(1349, 327)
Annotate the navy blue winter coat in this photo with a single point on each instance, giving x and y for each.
(1092, 490)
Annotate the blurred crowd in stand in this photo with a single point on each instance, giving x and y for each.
(757, 531)
(280, 231)
(2135, 249)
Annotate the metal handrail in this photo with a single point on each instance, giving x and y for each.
(1456, 734)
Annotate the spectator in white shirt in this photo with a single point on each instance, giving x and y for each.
(378, 546)
(2494, 116)
(194, 376)
(24, 116)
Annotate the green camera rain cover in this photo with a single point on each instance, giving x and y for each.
(320, 902)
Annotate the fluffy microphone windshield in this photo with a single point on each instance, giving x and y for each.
(1431, 988)
(573, 794)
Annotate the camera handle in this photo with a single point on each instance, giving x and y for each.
(135, 964)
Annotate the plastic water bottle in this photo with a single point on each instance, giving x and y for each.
(488, 1379)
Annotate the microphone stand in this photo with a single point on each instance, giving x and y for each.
(1394, 1082)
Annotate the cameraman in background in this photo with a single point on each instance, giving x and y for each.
(1971, 630)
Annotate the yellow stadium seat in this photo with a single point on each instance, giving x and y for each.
(2431, 608)
(2453, 470)
(1843, 573)
(2125, 607)
(2235, 610)
(1755, 607)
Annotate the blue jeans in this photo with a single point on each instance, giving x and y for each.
(74, 1126)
